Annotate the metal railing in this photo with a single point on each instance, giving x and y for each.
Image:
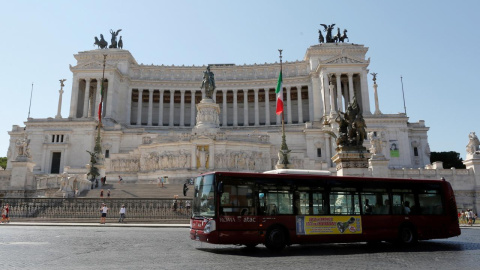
(89, 208)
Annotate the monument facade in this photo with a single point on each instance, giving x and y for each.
(160, 120)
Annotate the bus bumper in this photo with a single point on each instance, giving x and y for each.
(200, 235)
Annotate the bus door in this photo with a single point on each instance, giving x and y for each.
(237, 212)
(376, 218)
(276, 207)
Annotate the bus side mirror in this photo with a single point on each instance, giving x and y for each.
(220, 188)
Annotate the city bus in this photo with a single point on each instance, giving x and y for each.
(282, 209)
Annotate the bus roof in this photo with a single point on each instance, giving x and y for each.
(294, 171)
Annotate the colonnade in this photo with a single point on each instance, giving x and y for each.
(86, 96)
(239, 107)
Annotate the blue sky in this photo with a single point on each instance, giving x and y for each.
(432, 44)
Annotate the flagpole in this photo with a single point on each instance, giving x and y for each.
(283, 162)
(29, 106)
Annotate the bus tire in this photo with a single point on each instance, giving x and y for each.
(276, 239)
(406, 235)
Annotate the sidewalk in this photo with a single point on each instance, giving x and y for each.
(97, 224)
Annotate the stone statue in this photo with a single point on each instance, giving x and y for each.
(22, 147)
(321, 39)
(208, 82)
(113, 41)
(374, 77)
(344, 36)
(473, 146)
(120, 43)
(102, 44)
(352, 127)
(329, 29)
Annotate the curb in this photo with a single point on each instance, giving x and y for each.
(119, 225)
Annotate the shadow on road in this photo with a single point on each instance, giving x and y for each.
(341, 249)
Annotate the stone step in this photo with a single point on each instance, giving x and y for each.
(132, 190)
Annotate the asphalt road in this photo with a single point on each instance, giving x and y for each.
(45, 247)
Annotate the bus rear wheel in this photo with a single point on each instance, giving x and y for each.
(276, 239)
(406, 236)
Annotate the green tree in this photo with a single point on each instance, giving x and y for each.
(449, 159)
(3, 162)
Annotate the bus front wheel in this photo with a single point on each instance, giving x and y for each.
(406, 236)
(276, 239)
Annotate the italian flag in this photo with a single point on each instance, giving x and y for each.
(279, 92)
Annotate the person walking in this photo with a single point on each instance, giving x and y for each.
(103, 211)
(120, 179)
(122, 214)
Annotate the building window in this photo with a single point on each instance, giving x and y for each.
(107, 153)
(415, 151)
(58, 138)
(319, 152)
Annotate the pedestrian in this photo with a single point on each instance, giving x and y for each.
(103, 211)
(162, 180)
(187, 205)
(108, 193)
(105, 180)
(122, 214)
(4, 215)
(120, 179)
(472, 218)
(7, 209)
(76, 192)
(158, 181)
(101, 193)
(175, 202)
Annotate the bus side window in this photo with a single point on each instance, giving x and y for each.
(430, 202)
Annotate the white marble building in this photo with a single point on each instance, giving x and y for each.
(149, 117)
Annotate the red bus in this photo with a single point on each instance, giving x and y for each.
(284, 209)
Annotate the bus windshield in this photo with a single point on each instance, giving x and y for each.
(203, 197)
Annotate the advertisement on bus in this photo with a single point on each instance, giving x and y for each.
(311, 225)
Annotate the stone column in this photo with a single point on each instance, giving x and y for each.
(86, 98)
(224, 110)
(365, 97)
(139, 109)
(300, 105)
(235, 108)
(129, 106)
(150, 106)
(377, 106)
(245, 107)
(182, 108)
(211, 156)
(74, 98)
(98, 95)
(326, 94)
(193, 163)
(267, 106)
(289, 104)
(214, 96)
(350, 86)
(339, 92)
(59, 108)
(257, 116)
(192, 109)
(160, 109)
(313, 100)
(332, 98)
(172, 104)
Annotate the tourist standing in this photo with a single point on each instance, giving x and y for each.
(4, 215)
(108, 194)
(103, 211)
(122, 214)
(158, 181)
(101, 193)
(7, 209)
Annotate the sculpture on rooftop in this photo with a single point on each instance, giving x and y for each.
(102, 44)
(329, 38)
(113, 42)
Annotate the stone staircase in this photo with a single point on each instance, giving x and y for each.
(133, 190)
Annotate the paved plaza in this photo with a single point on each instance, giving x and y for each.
(155, 247)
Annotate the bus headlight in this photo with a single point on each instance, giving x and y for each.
(210, 226)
